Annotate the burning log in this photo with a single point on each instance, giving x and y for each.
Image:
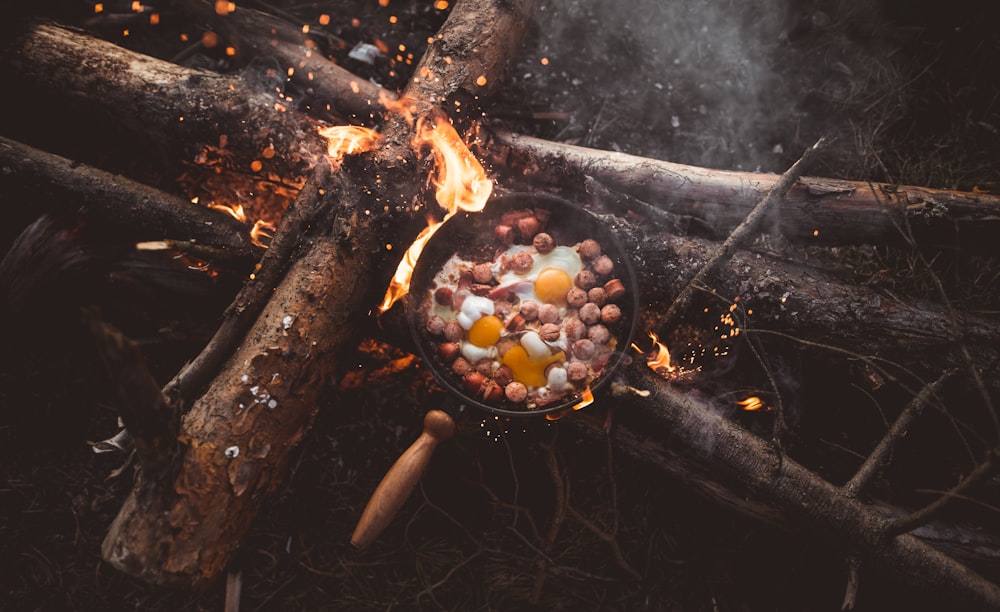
(173, 110)
(108, 198)
(822, 307)
(815, 211)
(843, 212)
(238, 438)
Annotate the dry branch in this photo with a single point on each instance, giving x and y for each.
(842, 212)
(739, 237)
(750, 465)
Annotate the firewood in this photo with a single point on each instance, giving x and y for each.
(255, 33)
(172, 110)
(238, 437)
(815, 211)
(103, 197)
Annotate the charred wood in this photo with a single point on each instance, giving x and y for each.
(102, 197)
(247, 305)
(169, 109)
(815, 306)
(260, 34)
(238, 438)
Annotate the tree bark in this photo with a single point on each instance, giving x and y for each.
(255, 33)
(173, 110)
(815, 211)
(239, 437)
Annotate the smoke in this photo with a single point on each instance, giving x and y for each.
(716, 83)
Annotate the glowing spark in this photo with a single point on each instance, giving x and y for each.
(752, 403)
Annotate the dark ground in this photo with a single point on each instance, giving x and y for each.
(909, 91)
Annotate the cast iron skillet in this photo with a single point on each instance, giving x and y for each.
(472, 236)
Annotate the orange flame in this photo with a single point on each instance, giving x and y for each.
(261, 230)
(461, 184)
(658, 358)
(235, 210)
(459, 178)
(349, 139)
(752, 404)
(586, 399)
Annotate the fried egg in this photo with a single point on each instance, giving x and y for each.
(549, 279)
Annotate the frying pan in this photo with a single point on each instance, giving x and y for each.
(474, 237)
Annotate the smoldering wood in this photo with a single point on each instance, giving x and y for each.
(824, 309)
(750, 465)
(817, 210)
(249, 302)
(174, 110)
(738, 237)
(31, 175)
(844, 212)
(204, 452)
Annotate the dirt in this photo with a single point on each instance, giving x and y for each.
(910, 95)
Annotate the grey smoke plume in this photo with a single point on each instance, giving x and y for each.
(717, 83)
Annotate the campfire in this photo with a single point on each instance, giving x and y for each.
(688, 320)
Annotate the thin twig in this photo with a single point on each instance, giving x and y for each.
(906, 232)
(853, 580)
(740, 235)
(877, 457)
(908, 523)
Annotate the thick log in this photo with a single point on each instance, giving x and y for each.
(844, 212)
(29, 174)
(748, 464)
(815, 305)
(238, 439)
(254, 33)
(168, 108)
(239, 436)
(815, 211)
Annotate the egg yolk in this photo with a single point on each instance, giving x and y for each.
(527, 372)
(486, 331)
(552, 285)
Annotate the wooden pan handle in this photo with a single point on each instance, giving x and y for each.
(402, 477)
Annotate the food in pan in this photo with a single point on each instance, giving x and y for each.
(521, 320)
